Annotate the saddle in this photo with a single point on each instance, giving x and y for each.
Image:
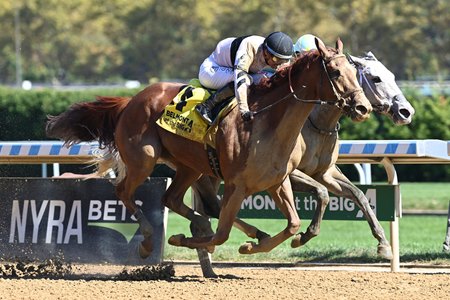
(181, 118)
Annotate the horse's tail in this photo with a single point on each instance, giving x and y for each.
(88, 121)
(108, 163)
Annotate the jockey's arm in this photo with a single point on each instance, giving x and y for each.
(242, 80)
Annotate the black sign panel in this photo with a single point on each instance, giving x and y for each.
(82, 220)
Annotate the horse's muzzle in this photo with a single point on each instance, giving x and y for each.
(358, 108)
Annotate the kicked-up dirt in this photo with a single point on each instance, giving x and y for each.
(56, 280)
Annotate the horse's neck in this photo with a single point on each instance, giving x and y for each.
(325, 117)
(286, 119)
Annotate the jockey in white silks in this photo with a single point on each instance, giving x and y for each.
(304, 44)
(228, 69)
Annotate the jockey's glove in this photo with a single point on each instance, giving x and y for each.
(247, 116)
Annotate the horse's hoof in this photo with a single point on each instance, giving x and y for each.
(210, 275)
(295, 243)
(247, 248)
(145, 248)
(176, 240)
(385, 251)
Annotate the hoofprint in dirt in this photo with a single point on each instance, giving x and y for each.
(101, 282)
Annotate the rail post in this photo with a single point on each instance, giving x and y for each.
(446, 246)
(394, 225)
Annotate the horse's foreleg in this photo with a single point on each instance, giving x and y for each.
(205, 193)
(250, 230)
(304, 183)
(340, 185)
(284, 199)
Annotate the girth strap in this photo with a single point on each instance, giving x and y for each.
(213, 161)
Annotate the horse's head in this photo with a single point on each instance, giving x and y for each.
(344, 82)
(383, 92)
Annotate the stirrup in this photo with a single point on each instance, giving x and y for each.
(204, 113)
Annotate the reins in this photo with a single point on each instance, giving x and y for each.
(314, 101)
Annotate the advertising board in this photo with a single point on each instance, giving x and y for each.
(82, 220)
(381, 199)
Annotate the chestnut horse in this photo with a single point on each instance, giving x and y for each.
(253, 156)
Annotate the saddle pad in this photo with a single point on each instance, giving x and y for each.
(180, 117)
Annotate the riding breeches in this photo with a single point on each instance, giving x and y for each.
(213, 76)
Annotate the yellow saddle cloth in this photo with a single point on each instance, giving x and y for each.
(181, 118)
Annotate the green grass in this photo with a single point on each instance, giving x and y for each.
(421, 238)
(421, 241)
(425, 195)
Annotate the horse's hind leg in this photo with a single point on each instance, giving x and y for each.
(340, 185)
(173, 199)
(139, 159)
(304, 183)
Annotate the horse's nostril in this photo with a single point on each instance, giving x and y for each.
(361, 109)
(405, 113)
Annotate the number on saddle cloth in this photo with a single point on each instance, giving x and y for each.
(180, 117)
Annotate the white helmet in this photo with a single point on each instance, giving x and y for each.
(305, 43)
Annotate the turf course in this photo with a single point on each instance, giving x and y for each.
(421, 237)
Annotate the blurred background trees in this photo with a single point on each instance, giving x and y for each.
(90, 41)
(58, 43)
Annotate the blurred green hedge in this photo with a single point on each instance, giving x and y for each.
(23, 115)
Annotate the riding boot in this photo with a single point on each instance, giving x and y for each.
(205, 108)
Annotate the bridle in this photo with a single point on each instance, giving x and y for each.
(323, 131)
(346, 97)
(379, 108)
(342, 99)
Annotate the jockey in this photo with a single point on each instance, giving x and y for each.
(305, 43)
(229, 67)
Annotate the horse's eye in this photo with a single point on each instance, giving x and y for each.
(376, 79)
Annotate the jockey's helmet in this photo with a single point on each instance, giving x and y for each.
(279, 44)
(305, 43)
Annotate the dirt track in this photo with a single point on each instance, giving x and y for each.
(234, 283)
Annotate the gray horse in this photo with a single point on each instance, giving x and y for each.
(320, 139)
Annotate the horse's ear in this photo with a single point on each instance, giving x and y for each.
(322, 48)
(371, 55)
(339, 46)
(357, 60)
